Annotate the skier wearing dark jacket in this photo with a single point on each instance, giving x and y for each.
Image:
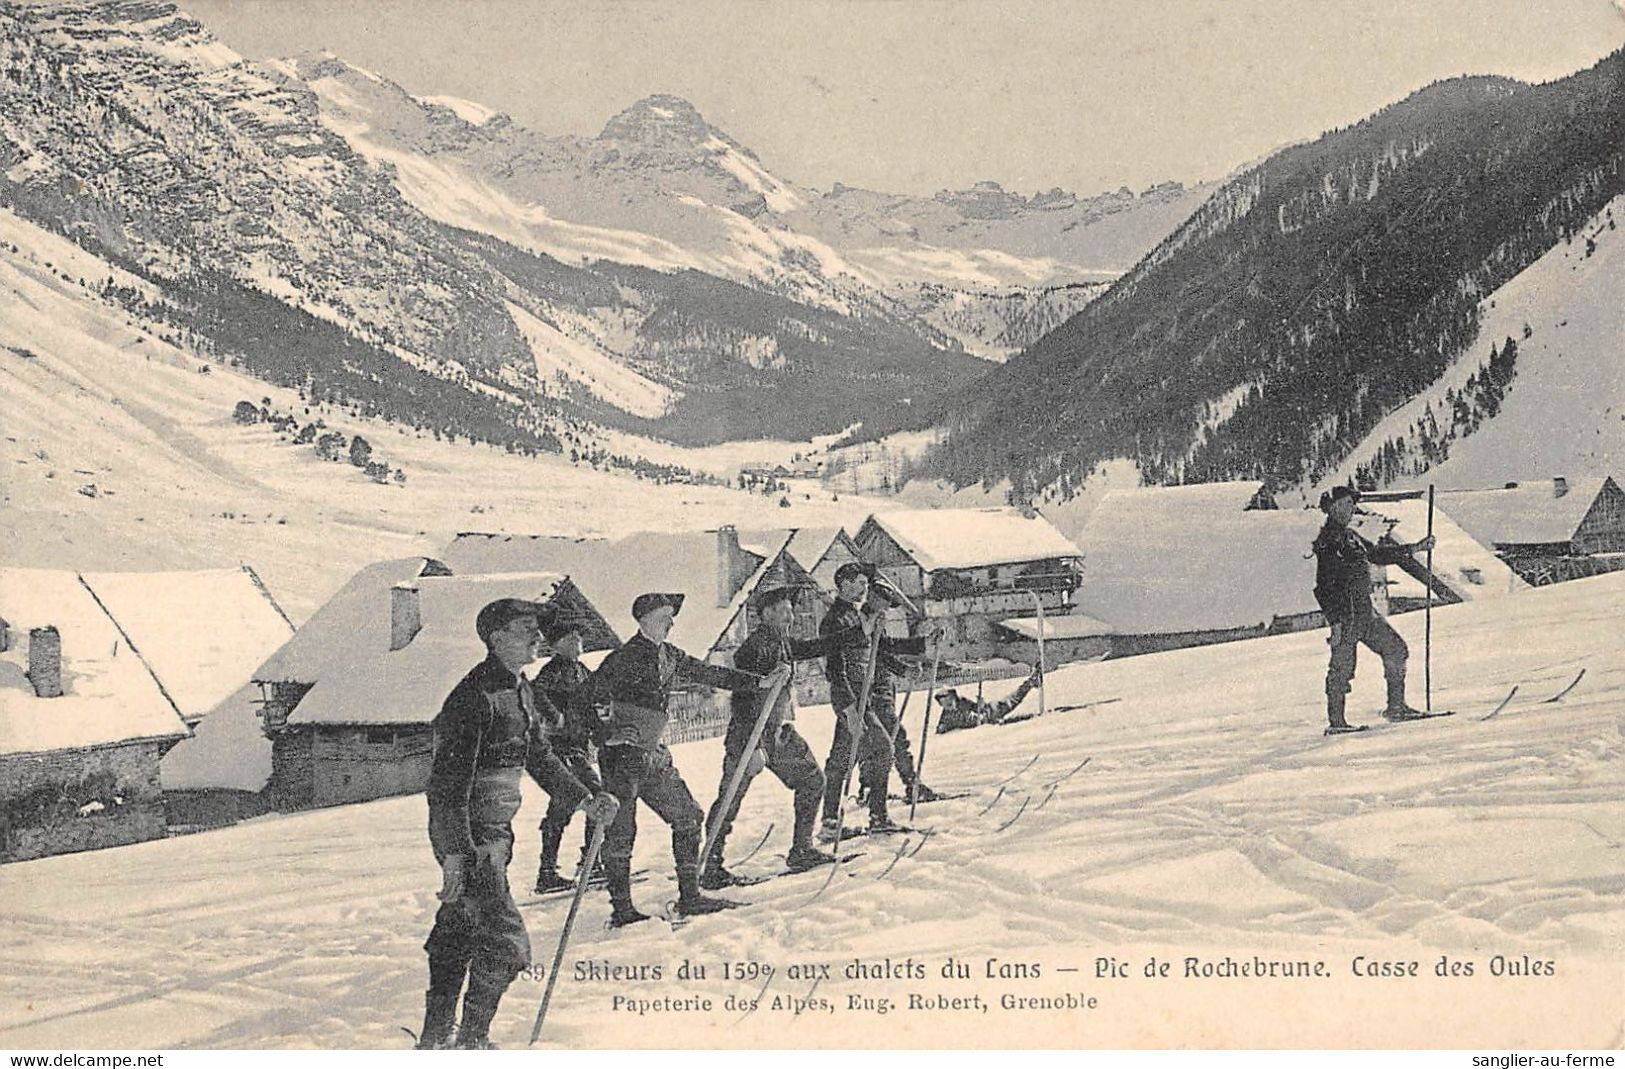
(845, 667)
(1343, 589)
(487, 733)
(563, 719)
(628, 695)
(959, 713)
(781, 749)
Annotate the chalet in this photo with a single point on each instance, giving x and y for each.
(970, 568)
(717, 570)
(1546, 530)
(84, 722)
(349, 709)
(1168, 567)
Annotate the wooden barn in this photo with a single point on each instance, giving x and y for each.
(84, 723)
(387, 658)
(971, 568)
(1546, 530)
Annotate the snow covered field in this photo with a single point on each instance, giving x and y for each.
(1212, 821)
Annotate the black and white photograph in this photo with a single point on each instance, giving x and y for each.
(810, 524)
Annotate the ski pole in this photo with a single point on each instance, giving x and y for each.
(569, 922)
(925, 729)
(863, 712)
(768, 702)
(1427, 626)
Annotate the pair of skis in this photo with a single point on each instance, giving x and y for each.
(1502, 705)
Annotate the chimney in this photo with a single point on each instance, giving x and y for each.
(45, 661)
(404, 619)
(1560, 486)
(5, 635)
(734, 565)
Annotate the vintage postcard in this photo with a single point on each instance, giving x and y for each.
(812, 524)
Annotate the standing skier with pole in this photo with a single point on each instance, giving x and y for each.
(861, 693)
(628, 694)
(1343, 589)
(487, 732)
(556, 685)
(766, 737)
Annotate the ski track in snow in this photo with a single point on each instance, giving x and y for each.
(1211, 813)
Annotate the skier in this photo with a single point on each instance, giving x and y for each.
(845, 667)
(628, 695)
(555, 686)
(959, 713)
(487, 731)
(781, 749)
(1343, 589)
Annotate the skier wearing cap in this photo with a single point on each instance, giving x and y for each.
(1343, 589)
(486, 733)
(781, 749)
(846, 666)
(555, 685)
(959, 713)
(627, 696)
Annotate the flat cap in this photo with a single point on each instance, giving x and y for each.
(644, 604)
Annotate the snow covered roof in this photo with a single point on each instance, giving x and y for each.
(203, 632)
(1067, 626)
(1527, 513)
(1470, 569)
(481, 552)
(353, 621)
(1156, 562)
(1209, 498)
(612, 573)
(808, 545)
(408, 685)
(109, 694)
(972, 538)
(228, 749)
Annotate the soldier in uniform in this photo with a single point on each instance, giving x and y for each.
(845, 666)
(487, 732)
(959, 713)
(1343, 589)
(555, 686)
(628, 695)
(781, 749)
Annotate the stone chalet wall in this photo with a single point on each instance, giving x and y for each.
(71, 800)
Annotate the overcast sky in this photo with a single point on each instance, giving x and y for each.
(921, 95)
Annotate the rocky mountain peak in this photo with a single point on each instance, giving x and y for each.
(660, 119)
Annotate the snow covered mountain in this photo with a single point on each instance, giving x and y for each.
(1561, 405)
(129, 129)
(1318, 293)
(660, 187)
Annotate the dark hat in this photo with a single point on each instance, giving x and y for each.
(853, 568)
(502, 612)
(644, 604)
(561, 625)
(1336, 494)
(773, 595)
